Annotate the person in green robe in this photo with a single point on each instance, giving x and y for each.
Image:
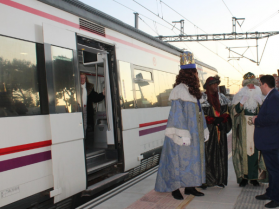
(247, 160)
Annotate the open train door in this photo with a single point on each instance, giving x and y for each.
(66, 123)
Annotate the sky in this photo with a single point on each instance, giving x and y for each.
(212, 17)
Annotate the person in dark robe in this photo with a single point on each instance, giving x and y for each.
(182, 163)
(89, 96)
(216, 109)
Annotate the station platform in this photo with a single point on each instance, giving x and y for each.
(142, 196)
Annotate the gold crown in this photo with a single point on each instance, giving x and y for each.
(187, 58)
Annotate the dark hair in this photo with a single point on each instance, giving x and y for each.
(188, 77)
(269, 80)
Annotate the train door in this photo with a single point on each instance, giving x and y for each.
(65, 119)
(101, 153)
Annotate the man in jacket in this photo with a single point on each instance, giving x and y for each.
(89, 96)
(266, 138)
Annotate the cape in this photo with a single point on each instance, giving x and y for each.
(246, 166)
(180, 165)
(216, 148)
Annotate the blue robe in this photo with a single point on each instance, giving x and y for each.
(180, 165)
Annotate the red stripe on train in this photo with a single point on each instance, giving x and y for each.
(152, 123)
(24, 147)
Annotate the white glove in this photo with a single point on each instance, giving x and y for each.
(244, 99)
(186, 141)
(206, 137)
(258, 99)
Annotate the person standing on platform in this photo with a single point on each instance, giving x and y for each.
(247, 160)
(182, 162)
(216, 109)
(88, 96)
(266, 138)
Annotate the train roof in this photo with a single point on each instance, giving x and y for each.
(91, 14)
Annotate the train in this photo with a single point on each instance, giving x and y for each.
(47, 158)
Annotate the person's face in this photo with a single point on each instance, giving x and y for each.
(251, 86)
(213, 87)
(82, 79)
(263, 88)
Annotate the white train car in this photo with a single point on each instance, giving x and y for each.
(45, 160)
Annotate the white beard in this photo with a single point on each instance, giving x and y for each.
(251, 104)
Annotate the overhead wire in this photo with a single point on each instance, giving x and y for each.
(197, 32)
(227, 7)
(149, 26)
(265, 20)
(161, 9)
(173, 28)
(186, 34)
(140, 14)
(242, 32)
(157, 7)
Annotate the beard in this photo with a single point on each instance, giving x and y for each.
(251, 104)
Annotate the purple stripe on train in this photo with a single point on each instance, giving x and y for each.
(24, 161)
(152, 130)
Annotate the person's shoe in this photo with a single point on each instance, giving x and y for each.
(262, 197)
(203, 186)
(255, 183)
(177, 195)
(243, 183)
(272, 204)
(220, 186)
(192, 191)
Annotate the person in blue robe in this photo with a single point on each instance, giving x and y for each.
(182, 162)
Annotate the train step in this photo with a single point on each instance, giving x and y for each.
(92, 168)
(105, 184)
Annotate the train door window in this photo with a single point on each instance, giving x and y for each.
(127, 97)
(19, 83)
(64, 80)
(144, 88)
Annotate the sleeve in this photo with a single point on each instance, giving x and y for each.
(272, 114)
(95, 97)
(177, 128)
(227, 121)
(238, 108)
(206, 131)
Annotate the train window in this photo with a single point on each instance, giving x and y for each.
(19, 86)
(144, 89)
(127, 97)
(163, 86)
(64, 80)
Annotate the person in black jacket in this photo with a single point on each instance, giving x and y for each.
(89, 96)
(266, 138)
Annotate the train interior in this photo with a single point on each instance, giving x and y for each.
(101, 154)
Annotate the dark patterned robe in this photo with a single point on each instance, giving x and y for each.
(216, 148)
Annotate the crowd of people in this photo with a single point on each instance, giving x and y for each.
(195, 150)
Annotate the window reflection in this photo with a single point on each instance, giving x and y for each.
(64, 80)
(163, 86)
(127, 97)
(19, 90)
(141, 74)
(145, 95)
